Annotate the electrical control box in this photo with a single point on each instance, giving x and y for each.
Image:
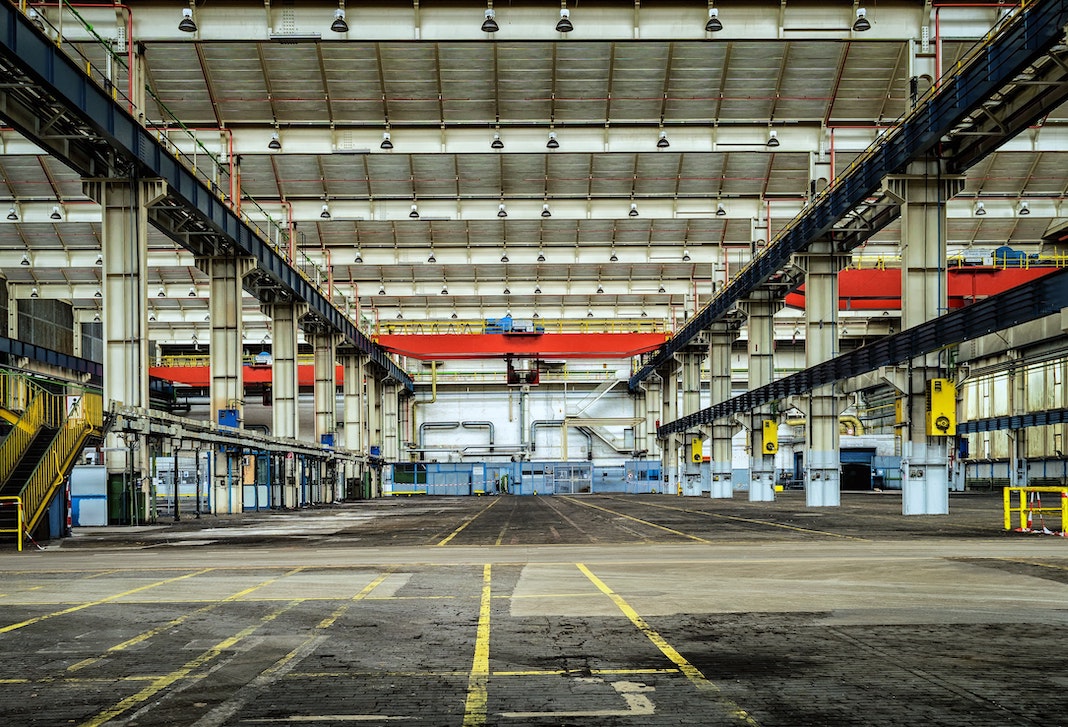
(770, 436)
(229, 418)
(696, 451)
(941, 408)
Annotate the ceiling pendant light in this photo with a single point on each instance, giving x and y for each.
(633, 210)
(431, 259)
(501, 211)
(553, 143)
(714, 25)
(541, 256)
(685, 255)
(55, 214)
(359, 258)
(381, 290)
(861, 23)
(414, 214)
(662, 142)
(161, 293)
(192, 292)
(489, 25)
(504, 257)
(980, 209)
(186, 24)
(564, 24)
(387, 142)
(545, 210)
(325, 214)
(12, 214)
(339, 25)
(721, 211)
(614, 258)
(275, 144)
(496, 143)
(773, 139)
(600, 289)
(25, 260)
(1024, 209)
(34, 293)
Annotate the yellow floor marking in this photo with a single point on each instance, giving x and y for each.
(79, 607)
(146, 635)
(754, 521)
(691, 672)
(637, 520)
(362, 595)
(184, 671)
(633, 694)
(477, 683)
(470, 520)
(564, 672)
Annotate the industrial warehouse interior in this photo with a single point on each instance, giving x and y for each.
(531, 363)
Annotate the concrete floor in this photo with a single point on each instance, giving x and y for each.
(591, 610)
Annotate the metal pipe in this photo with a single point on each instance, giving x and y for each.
(434, 425)
(479, 425)
(557, 423)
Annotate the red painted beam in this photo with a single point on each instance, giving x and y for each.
(200, 376)
(881, 289)
(521, 345)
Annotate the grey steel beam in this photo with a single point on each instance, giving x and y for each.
(49, 99)
(992, 72)
(1016, 421)
(1027, 302)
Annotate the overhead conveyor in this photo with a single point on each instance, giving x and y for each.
(1027, 302)
(1009, 82)
(50, 100)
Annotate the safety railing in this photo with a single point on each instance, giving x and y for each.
(19, 529)
(85, 417)
(1030, 509)
(541, 325)
(43, 410)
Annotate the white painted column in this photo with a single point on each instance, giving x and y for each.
(324, 347)
(822, 449)
(721, 337)
(925, 460)
(761, 307)
(124, 248)
(669, 413)
(352, 416)
(690, 484)
(390, 421)
(227, 379)
(285, 389)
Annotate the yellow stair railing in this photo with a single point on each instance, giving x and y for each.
(39, 408)
(85, 418)
(19, 529)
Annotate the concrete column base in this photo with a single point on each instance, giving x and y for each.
(722, 486)
(823, 480)
(761, 485)
(925, 481)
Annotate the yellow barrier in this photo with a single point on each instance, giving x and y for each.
(16, 502)
(1029, 507)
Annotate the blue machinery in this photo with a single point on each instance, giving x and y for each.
(942, 126)
(50, 100)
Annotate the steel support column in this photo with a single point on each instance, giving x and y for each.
(227, 381)
(690, 484)
(761, 307)
(822, 405)
(390, 421)
(324, 347)
(124, 248)
(669, 412)
(285, 391)
(1018, 437)
(925, 460)
(721, 337)
(352, 415)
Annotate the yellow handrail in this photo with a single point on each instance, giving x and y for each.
(16, 502)
(1028, 508)
(43, 409)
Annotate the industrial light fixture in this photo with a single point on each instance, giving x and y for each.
(55, 213)
(773, 138)
(589, 314)
(545, 210)
(339, 25)
(861, 23)
(537, 290)
(504, 258)
(186, 24)
(507, 292)
(714, 25)
(553, 143)
(25, 259)
(721, 211)
(564, 24)
(12, 214)
(662, 142)
(400, 316)
(662, 289)
(382, 290)
(613, 258)
(98, 294)
(600, 289)
(444, 290)
(501, 211)
(541, 256)
(275, 144)
(34, 293)
(496, 143)
(633, 210)
(431, 259)
(535, 316)
(96, 318)
(99, 259)
(1024, 209)
(359, 257)
(387, 143)
(980, 209)
(325, 214)
(644, 314)
(489, 25)
(414, 214)
(454, 316)
(685, 256)
(161, 293)
(192, 292)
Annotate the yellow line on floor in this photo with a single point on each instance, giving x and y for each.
(691, 672)
(635, 519)
(573, 672)
(79, 607)
(470, 520)
(363, 594)
(182, 672)
(478, 682)
(754, 521)
(146, 635)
